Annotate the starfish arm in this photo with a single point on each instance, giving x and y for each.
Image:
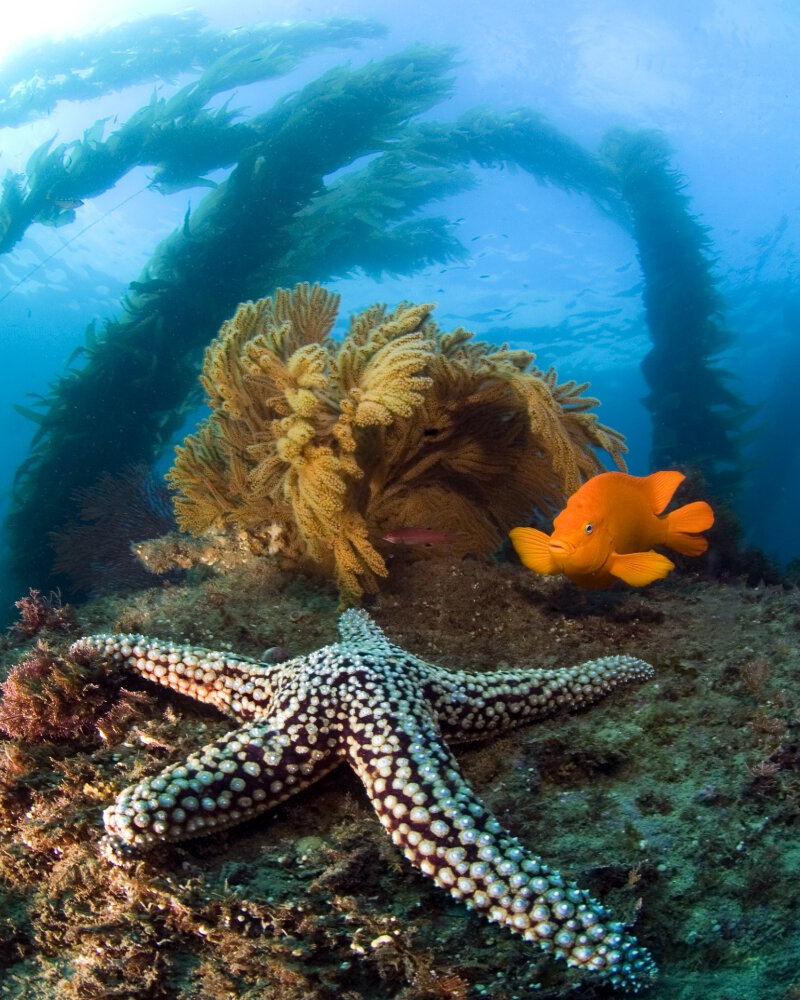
(237, 685)
(227, 782)
(443, 828)
(470, 706)
(359, 631)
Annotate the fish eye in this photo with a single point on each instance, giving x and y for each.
(588, 527)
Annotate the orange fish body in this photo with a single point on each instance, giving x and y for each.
(609, 527)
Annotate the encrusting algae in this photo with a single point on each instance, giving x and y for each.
(317, 447)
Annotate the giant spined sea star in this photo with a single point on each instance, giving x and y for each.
(391, 715)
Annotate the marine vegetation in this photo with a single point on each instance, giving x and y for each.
(318, 447)
(179, 137)
(49, 697)
(93, 550)
(38, 612)
(287, 211)
(698, 418)
(606, 531)
(245, 235)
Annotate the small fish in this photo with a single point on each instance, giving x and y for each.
(65, 204)
(416, 536)
(607, 530)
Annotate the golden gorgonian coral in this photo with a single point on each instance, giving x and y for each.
(398, 425)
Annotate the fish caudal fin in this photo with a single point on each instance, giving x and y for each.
(639, 568)
(533, 549)
(661, 486)
(683, 525)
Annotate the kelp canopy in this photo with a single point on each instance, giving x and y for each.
(289, 212)
(181, 137)
(319, 447)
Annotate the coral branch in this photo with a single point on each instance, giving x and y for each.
(398, 425)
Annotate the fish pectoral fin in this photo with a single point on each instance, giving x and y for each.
(682, 525)
(639, 568)
(533, 549)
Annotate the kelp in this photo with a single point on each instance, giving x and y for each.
(288, 212)
(180, 137)
(698, 418)
(36, 77)
(524, 139)
(138, 373)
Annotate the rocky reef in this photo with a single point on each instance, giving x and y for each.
(675, 802)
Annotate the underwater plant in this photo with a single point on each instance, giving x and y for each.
(94, 549)
(698, 419)
(288, 211)
(37, 612)
(180, 137)
(320, 447)
(48, 697)
(142, 366)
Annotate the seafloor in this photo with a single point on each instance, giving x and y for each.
(676, 802)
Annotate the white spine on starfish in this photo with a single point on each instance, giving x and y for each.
(236, 685)
(435, 818)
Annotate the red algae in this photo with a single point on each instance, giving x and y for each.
(47, 697)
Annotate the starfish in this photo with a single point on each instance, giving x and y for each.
(390, 715)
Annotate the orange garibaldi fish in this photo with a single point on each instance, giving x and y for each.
(607, 530)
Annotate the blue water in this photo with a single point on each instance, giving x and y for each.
(543, 268)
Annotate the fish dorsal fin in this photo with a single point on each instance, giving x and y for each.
(639, 568)
(661, 486)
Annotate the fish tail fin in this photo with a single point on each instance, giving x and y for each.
(661, 486)
(533, 549)
(683, 526)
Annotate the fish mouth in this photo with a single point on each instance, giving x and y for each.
(560, 548)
